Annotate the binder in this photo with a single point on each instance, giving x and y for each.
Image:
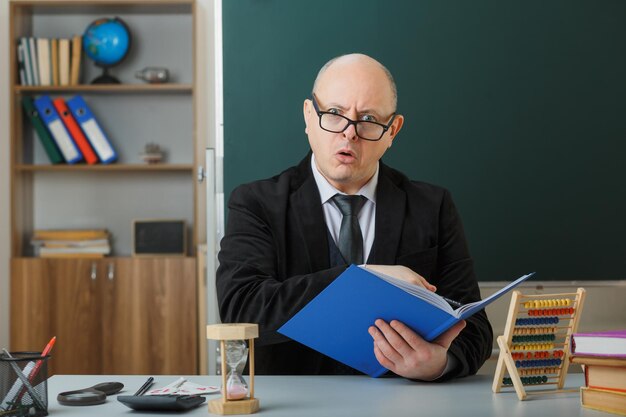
(32, 49)
(58, 131)
(44, 136)
(75, 131)
(43, 55)
(335, 322)
(96, 136)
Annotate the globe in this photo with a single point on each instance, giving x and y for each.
(106, 42)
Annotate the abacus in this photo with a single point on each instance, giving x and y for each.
(535, 347)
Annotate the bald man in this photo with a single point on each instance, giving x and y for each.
(283, 243)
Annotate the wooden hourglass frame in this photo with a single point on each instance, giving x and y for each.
(223, 333)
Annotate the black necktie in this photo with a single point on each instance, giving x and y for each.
(350, 242)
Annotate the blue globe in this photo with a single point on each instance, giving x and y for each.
(106, 41)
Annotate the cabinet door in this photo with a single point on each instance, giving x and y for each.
(150, 315)
(58, 297)
(30, 304)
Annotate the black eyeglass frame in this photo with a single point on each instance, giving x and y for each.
(350, 122)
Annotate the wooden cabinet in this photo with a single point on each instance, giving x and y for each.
(117, 315)
(111, 316)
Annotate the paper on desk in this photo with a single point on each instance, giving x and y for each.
(183, 387)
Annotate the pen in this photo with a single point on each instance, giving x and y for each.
(145, 386)
(46, 351)
(452, 302)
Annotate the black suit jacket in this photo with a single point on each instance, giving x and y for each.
(274, 259)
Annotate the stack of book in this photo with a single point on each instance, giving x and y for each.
(68, 130)
(44, 61)
(83, 243)
(603, 357)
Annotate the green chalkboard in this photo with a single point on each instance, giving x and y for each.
(517, 107)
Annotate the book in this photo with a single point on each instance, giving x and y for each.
(92, 129)
(57, 129)
(54, 60)
(598, 360)
(603, 400)
(97, 251)
(75, 61)
(64, 62)
(603, 372)
(336, 322)
(606, 377)
(32, 51)
(20, 65)
(27, 65)
(75, 130)
(42, 133)
(43, 56)
(69, 243)
(609, 343)
(70, 234)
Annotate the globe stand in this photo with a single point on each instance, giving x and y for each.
(105, 78)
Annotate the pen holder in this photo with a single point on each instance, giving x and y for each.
(23, 384)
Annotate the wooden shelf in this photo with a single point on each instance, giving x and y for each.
(106, 88)
(111, 196)
(110, 167)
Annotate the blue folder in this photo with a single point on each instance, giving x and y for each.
(92, 129)
(335, 322)
(59, 133)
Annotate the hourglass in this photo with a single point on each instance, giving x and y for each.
(237, 397)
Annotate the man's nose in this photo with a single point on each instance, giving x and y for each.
(350, 132)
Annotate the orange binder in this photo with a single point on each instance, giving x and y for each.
(75, 130)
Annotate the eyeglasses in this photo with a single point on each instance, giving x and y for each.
(336, 123)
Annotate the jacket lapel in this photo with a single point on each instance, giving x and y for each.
(309, 217)
(390, 210)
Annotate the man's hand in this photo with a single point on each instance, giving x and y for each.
(404, 352)
(403, 273)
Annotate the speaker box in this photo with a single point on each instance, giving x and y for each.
(159, 238)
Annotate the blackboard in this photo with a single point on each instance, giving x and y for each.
(517, 107)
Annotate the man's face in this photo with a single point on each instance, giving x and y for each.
(359, 90)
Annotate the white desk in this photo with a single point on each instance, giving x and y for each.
(325, 396)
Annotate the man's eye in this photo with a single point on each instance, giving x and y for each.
(368, 118)
(333, 111)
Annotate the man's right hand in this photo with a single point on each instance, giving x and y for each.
(403, 273)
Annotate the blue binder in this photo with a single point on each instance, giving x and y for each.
(94, 133)
(59, 133)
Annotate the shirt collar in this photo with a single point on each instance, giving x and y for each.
(327, 191)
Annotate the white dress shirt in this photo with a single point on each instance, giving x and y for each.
(367, 215)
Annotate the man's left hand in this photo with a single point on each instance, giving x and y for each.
(404, 352)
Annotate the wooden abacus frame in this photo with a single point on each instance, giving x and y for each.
(533, 316)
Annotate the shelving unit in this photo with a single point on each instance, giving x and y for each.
(46, 196)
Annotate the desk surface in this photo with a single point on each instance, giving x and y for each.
(317, 396)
